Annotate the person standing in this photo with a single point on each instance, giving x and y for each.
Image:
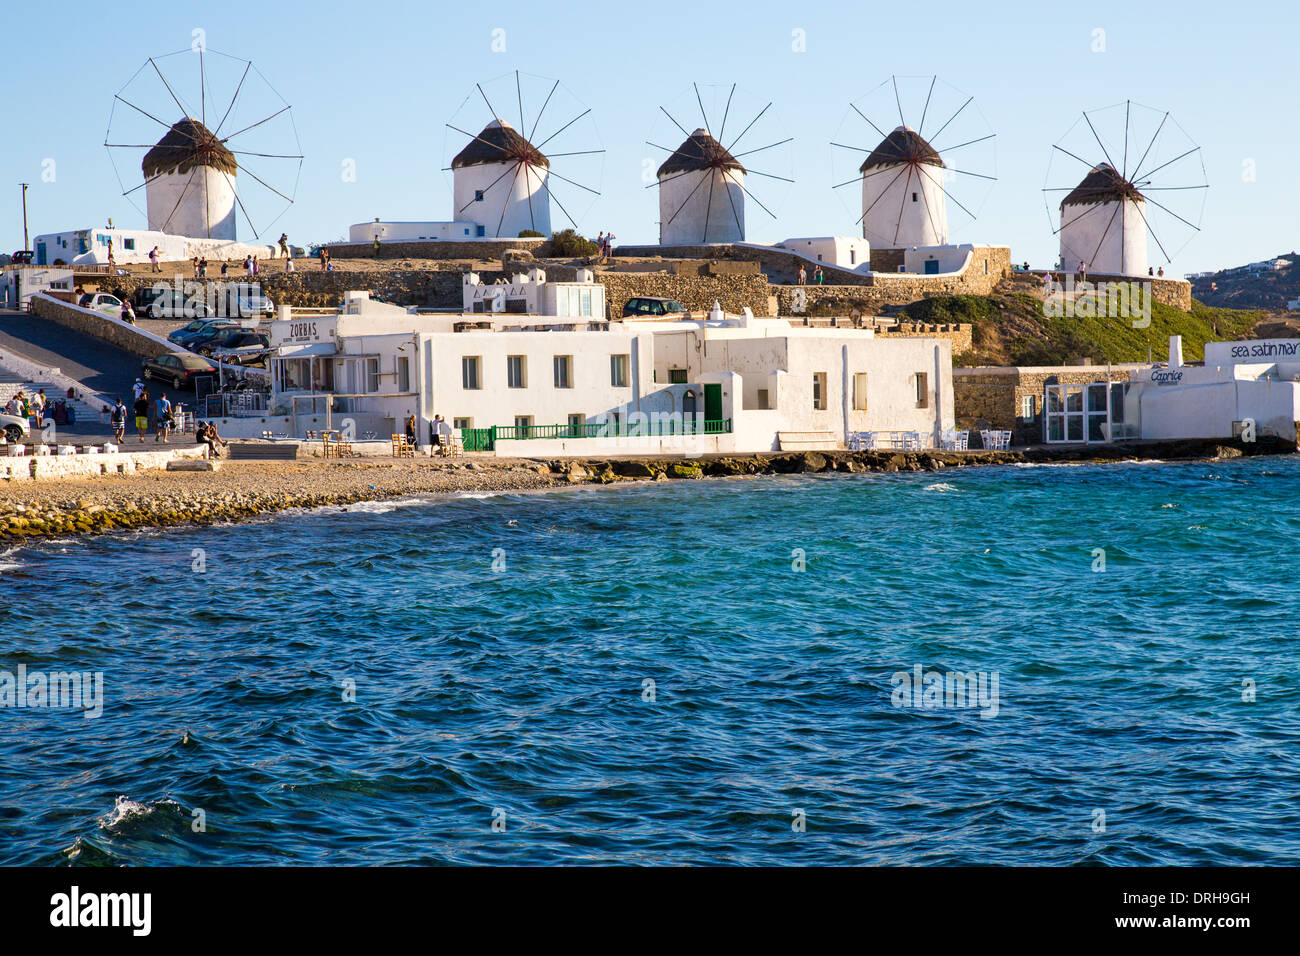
(803, 275)
(153, 259)
(818, 276)
(225, 267)
(38, 407)
(284, 245)
(117, 417)
(376, 245)
(141, 411)
(162, 417)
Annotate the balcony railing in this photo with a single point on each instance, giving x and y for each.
(485, 439)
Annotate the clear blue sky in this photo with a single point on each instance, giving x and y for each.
(376, 82)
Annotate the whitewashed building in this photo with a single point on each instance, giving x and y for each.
(1103, 225)
(903, 202)
(844, 252)
(701, 194)
(572, 383)
(92, 246)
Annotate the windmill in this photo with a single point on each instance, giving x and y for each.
(702, 184)
(189, 175)
(911, 175)
(501, 180)
(1141, 176)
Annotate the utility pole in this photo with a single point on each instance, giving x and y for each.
(25, 243)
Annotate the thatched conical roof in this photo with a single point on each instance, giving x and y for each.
(1102, 184)
(499, 143)
(186, 145)
(699, 151)
(903, 145)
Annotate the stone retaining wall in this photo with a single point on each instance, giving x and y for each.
(35, 467)
(781, 265)
(108, 328)
(991, 397)
(432, 249)
(697, 293)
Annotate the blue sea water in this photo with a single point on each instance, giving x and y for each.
(500, 650)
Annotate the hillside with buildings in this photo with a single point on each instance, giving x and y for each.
(1270, 284)
(1011, 327)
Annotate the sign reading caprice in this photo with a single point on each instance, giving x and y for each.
(1116, 300)
(1166, 376)
(935, 689)
(83, 690)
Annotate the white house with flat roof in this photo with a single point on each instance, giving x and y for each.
(524, 383)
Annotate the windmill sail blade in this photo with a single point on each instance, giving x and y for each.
(226, 114)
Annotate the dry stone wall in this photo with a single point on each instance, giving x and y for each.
(993, 397)
(432, 249)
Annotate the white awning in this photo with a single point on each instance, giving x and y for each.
(305, 351)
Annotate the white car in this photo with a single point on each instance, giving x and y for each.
(102, 302)
(15, 427)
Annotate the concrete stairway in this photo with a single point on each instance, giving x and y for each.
(10, 384)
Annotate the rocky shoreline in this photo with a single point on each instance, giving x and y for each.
(36, 510)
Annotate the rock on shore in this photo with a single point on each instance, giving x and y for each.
(243, 489)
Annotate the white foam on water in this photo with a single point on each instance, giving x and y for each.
(941, 486)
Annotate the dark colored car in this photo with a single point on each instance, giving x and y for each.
(178, 369)
(199, 329)
(643, 306)
(231, 338)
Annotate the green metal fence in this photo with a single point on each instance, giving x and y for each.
(485, 439)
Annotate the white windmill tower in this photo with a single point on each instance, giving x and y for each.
(198, 177)
(690, 211)
(911, 182)
(702, 184)
(1105, 218)
(190, 183)
(1102, 224)
(902, 193)
(501, 181)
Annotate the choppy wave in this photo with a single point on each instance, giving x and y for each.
(663, 672)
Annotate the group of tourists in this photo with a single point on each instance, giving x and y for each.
(160, 415)
(605, 243)
(148, 412)
(31, 407)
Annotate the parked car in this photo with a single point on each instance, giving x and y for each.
(101, 302)
(179, 369)
(236, 346)
(198, 330)
(652, 307)
(170, 304)
(16, 428)
(255, 306)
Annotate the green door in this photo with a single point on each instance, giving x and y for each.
(712, 403)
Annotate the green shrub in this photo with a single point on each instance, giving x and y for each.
(567, 244)
(531, 234)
